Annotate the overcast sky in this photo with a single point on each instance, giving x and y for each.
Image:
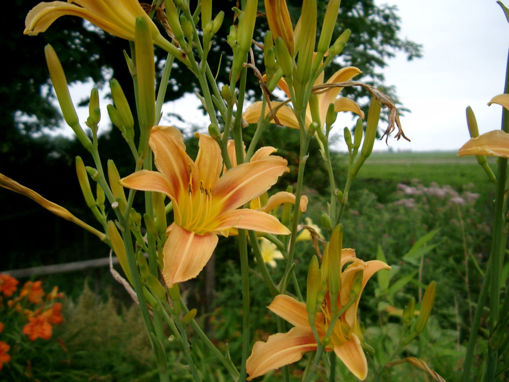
(465, 45)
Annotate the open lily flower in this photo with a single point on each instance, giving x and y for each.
(284, 348)
(115, 17)
(270, 253)
(204, 203)
(285, 115)
(492, 143)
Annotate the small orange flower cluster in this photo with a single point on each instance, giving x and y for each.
(33, 305)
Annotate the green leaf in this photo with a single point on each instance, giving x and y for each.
(420, 248)
(398, 285)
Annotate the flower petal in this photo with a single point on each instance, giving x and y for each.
(170, 157)
(284, 114)
(247, 181)
(280, 349)
(346, 104)
(145, 180)
(291, 310)
(501, 99)
(353, 357)
(209, 161)
(492, 143)
(284, 197)
(185, 254)
(342, 75)
(246, 218)
(263, 152)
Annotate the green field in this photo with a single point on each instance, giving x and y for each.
(440, 167)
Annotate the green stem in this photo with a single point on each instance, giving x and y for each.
(246, 301)
(163, 85)
(261, 264)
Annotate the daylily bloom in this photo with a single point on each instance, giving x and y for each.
(492, 143)
(284, 348)
(33, 290)
(8, 285)
(285, 115)
(4, 357)
(115, 17)
(205, 203)
(269, 251)
(54, 314)
(38, 327)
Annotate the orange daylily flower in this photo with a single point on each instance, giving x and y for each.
(54, 314)
(38, 327)
(115, 17)
(285, 114)
(492, 143)
(4, 357)
(205, 203)
(33, 290)
(2, 326)
(8, 285)
(280, 23)
(284, 348)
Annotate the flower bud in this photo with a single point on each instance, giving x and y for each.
(326, 222)
(206, 12)
(331, 116)
(159, 211)
(173, 19)
(314, 283)
(280, 23)
(306, 41)
(189, 316)
(94, 112)
(426, 306)
(472, 123)
(340, 43)
(217, 22)
(117, 244)
(59, 81)
(284, 59)
(145, 75)
(226, 93)
(116, 119)
(187, 27)
(334, 262)
(348, 139)
(247, 22)
(329, 21)
(122, 105)
(100, 197)
(357, 137)
(84, 182)
(408, 312)
(116, 187)
(214, 131)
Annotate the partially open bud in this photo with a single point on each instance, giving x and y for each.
(280, 23)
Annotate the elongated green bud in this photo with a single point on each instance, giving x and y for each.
(145, 75)
(94, 111)
(329, 21)
(284, 58)
(473, 129)
(247, 22)
(314, 283)
(84, 182)
(357, 137)
(187, 27)
(116, 187)
(122, 105)
(348, 139)
(117, 244)
(340, 43)
(306, 41)
(101, 197)
(408, 312)
(116, 119)
(59, 82)
(206, 12)
(159, 211)
(372, 126)
(331, 116)
(189, 316)
(334, 271)
(326, 222)
(172, 15)
(426, 306)
(217, 22)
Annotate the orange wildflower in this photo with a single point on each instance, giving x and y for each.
(38, 327)
(205, 198)
(284, 348)
(4, 357)
(1, 327)
(8, 285)
(33, 290)
(54, 313)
